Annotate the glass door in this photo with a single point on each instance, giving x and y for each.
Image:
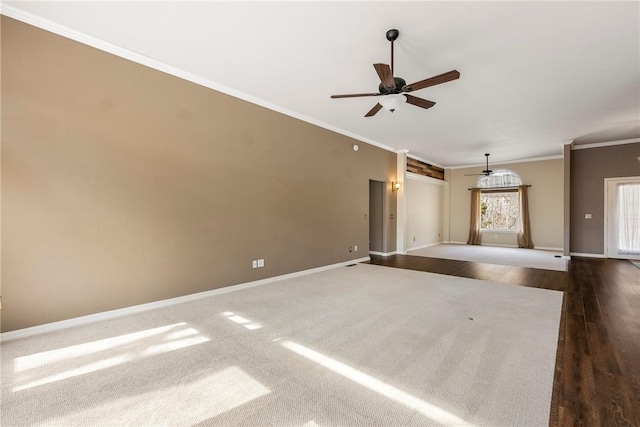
(622, 228)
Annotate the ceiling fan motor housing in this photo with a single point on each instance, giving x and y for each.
(400, 83)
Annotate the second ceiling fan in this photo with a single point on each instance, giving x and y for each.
(486, 172)
(391, 87)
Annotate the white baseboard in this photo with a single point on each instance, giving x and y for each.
(499, 246)
(546, 248)
(383, 253)
(105, 315)
(587, 255)
(423, 246)
(542, 248)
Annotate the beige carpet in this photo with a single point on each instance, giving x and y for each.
(517, 257)
(362, 345)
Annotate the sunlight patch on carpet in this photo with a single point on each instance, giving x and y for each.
(433, 412)
(154, 341)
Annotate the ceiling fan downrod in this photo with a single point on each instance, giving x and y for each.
(392, 35)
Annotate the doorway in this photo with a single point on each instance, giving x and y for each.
(622, 218)
(376, 216)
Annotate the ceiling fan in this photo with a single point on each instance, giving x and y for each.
(485, 172)
(393, 89)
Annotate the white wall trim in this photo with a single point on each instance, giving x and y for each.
(587, 255)
(415, 248)
(542, 248)
(111, 314)
(508, 162)
(604, 144)
(401, 202)
(427, 179)
(546, 248)
(130, 55)
(382, 253)
(499, 246)
(608, 251)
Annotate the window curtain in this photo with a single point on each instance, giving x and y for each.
(628, 219)
(475, 237)
(524, 229)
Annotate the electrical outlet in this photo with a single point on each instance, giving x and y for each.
(350, 249)
(254, 263)
(260, 263)
(355, 248)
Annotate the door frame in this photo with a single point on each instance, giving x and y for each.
(383, 213)
(607, 213)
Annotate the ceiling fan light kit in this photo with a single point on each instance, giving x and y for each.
(392, 101)
(393, 90)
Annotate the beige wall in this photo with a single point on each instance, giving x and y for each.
(425, 198)
(122, 185)
(546, 206)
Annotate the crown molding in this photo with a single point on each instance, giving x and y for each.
(509, 162)
(604, 144)
(80, 37)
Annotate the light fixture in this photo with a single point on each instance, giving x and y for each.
(395, 186)
(392, 101)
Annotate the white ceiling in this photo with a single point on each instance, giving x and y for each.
(533, 74)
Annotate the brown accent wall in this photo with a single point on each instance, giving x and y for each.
(589, 168)
(123, 185)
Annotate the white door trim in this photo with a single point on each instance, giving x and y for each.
(607, 249)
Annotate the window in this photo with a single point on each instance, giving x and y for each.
(499, 211)
(499, 208)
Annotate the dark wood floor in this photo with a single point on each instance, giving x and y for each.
(597, 378)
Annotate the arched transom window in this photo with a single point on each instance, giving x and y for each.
(500, 178)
